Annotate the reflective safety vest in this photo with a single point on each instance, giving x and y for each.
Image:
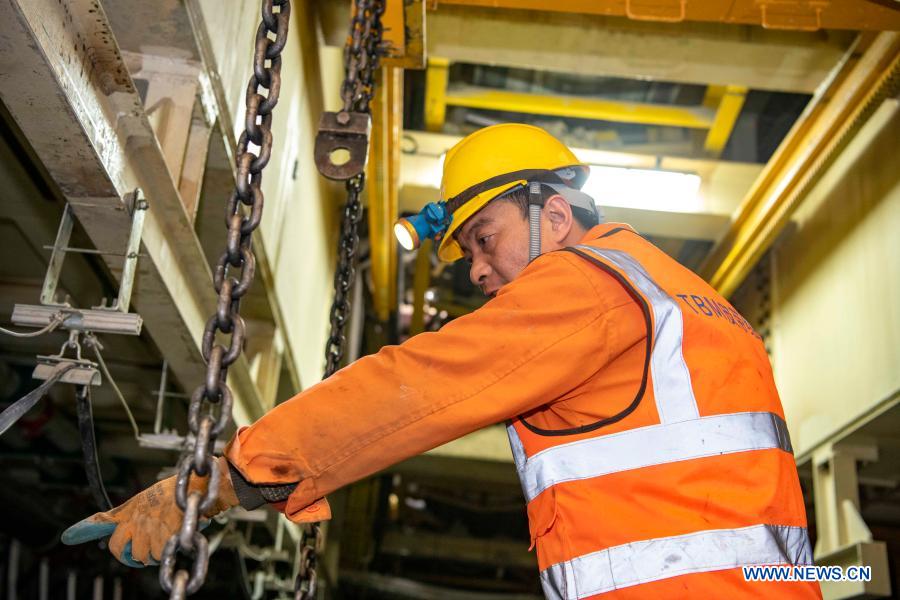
(694, 479)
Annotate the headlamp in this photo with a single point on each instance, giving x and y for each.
(431, 222)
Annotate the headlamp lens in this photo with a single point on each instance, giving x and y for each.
(431, 222)
(406, 234)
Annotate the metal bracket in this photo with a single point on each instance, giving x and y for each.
(137, 206)
(51, 279)
(101, 319)
(348, 131)
(843, 538)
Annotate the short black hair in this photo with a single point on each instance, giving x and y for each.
(519, 196)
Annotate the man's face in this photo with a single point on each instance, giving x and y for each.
(495, 243)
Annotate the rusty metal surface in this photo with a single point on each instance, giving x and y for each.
(63, 80)
(210, 408)
(352, 137)
(405, 41)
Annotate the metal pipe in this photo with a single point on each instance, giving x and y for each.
(161, 397)
(98, 587)
(357, 317)
(12, 569)
(44, 579)
(421, 281)
(71, 584)
(87, 251)
(580, 107)
(383, 181)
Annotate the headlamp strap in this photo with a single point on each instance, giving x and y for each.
(535, 194)
(547, 175)
(535, 204)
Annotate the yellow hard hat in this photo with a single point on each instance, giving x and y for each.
(493, 160)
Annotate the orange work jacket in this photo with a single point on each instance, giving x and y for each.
(643, 417)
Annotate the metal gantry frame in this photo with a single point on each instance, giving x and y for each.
(869, 72)
(718, 114)
(728, 101)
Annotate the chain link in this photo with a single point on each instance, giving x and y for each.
(209, 411)
(361, 57)
(344, 274)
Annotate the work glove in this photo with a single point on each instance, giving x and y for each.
(140, 527)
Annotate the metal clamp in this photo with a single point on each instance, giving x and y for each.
(82, 372)
(78, 319)
(348, 131)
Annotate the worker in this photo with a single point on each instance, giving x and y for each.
(640, 406)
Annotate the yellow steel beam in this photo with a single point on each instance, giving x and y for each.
(404, 34)
(393, 38)
(384, 176)
(713, 95)
(580, 107)
(731, 101)
(436, 77)
(757, 58)
(869, 72)
(802, 15)
(421, 281)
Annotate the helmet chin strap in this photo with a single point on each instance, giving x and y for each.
(535, 204)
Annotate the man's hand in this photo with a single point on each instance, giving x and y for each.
(141, 526)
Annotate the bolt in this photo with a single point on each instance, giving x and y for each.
(343, 117)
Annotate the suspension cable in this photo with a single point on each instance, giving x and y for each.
(55, 322)
(91, 340)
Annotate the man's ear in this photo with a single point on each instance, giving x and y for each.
(559, 213)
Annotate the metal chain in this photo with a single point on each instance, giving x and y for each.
(344, 275)
(209, 411)
(361, 57)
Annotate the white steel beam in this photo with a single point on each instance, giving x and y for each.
(63, 80)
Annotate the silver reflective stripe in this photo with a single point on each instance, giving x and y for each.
(518, 450)
(652, 445)
(651, 560)
(671, 379)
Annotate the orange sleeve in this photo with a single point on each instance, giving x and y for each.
(542, 335)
